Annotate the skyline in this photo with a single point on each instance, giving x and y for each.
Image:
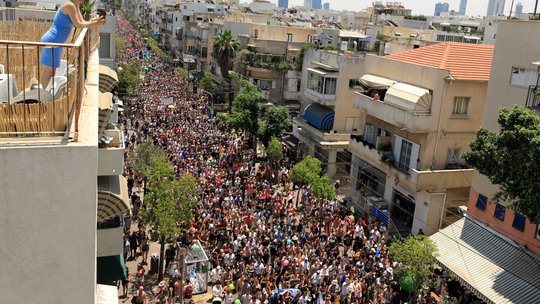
(427, 8)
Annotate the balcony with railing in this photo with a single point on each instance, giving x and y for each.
(533, 98)
(28, 108)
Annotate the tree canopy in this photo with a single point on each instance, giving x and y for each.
(306, 170)
(224, 50)
(274, 151)
(276, 121)
(511, 160)
(168, 201)
(127, 78)
(142, 156)
(246, 109)
(322, 187)
(417, 254)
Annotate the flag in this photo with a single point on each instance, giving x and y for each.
(221, 228)
(291, 196)
(320, 300)
(222, 158)
(293, 291)
(327, 228)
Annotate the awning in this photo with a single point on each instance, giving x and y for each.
(110, 268)
(408, 97)
(351, 34)
(113, 197)
(108, 79)
(105, 110)
(472, 37)
(197, 74)
(491, 267)
(322, 72)
(319, 116)
(376, 82)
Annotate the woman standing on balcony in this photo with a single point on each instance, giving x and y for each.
(66, 17)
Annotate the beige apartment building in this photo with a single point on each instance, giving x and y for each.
(513, 80)
(407, 151)
(327, 116)
(63, 195)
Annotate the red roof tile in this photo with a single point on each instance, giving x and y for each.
(464, 60)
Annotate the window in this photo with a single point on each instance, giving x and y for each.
(481, 202)
(500, 210)
(210, 10)
(185, 6)
(461, 105)
(524, 77)
(519, 222)
(256, 33)
(105, 45)
(453, 155)
(264, 84)
(262, 34)
(494, 36)
(175, 18)
(405, 155)
(289, 37)
(191, 49)
(370, 32)
(271, 35)
(204, 51)
(321, 84)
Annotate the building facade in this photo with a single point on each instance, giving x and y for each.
(317, 4)
(462, 7)
(419, 110)
(283, 3)
(326, 5)
(513, 77)
(519, 8)
(495, 7)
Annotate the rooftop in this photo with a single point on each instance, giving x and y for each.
(465, 61)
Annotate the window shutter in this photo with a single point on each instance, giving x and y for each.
(397, 147)
(414, 156)
(273, 84)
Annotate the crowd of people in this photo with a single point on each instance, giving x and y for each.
(267, 241)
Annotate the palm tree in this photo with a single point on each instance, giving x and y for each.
(224, 50)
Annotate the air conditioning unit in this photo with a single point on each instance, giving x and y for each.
(537, 234)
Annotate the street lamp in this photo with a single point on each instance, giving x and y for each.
(212, 96)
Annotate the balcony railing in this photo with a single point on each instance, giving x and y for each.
(28, 108)
(533, 100)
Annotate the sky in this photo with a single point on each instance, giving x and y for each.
(423, 7)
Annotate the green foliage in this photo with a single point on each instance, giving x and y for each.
(243, 57)
(331, 48)
(246, 109)
(300, 56)
(274, 151)
(377, 44)
(127, 78)
(418, 17)
(144, 33)
(276, 121)
(417, 254)
(224, 50)
(284, 66)
(207, 83)
(181, 72)
(139, 24)
(306, 170)
(511, 160)
(168, 201)
(87, 8)
(322, 187)
(119, 47)
(142, 156)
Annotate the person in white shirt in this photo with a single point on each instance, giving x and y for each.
(316, 278)
(303, 299)
(215, 275)
(217, 289)
(235, 245)
(344, 291)
(304, 265)
(229, 257)
(259, 267)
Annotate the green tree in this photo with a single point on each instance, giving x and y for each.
(246, 109)
(306, 171)
(322, 186)
(127, 78)
(417, 254)
(274, 151)
(142, 158)
(511, 160)
(119, 47)
(207, 84)
(144, 33)
(168, 202)
(276, 121)
(181, 72)
(224, 50)
(300, 56)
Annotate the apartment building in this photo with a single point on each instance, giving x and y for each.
(327, 116)
(513, 79)
(63, 195)
(419, 110)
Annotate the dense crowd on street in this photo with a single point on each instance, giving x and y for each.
(267, 241)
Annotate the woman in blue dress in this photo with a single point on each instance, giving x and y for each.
(66, 17)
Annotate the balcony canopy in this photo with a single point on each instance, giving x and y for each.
(408, 97)
(319, 116)
(113, 197)
(376, 82)
(110, 268)
(105, 110)
(108, 79)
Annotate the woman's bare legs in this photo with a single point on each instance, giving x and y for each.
(48, 73)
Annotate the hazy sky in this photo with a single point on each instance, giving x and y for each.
(424, 7)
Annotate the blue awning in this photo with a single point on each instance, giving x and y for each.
(319, 116)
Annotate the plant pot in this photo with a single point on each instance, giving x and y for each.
(365, 143)
(371, 146)
(353, 136)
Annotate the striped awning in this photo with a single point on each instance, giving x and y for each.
(105, 110)
(113, 197)
(488, 264)
(108, 79)
(319, 116)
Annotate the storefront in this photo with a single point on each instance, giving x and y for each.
(369, 180)
(403, 207)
